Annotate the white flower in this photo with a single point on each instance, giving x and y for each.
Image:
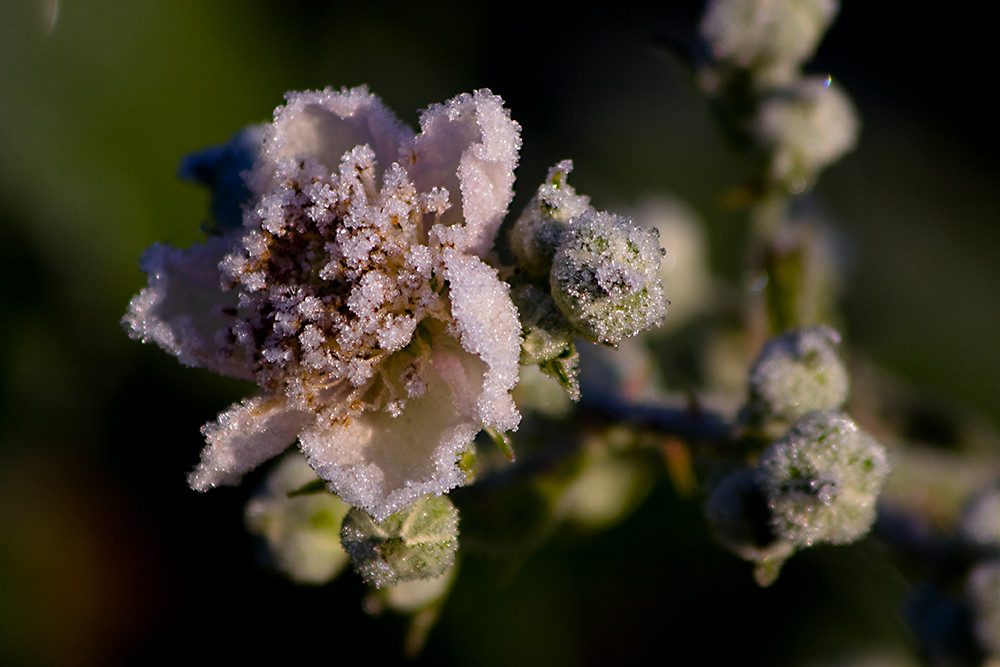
(356, 295)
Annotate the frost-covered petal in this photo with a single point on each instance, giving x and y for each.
(183, 308)
(325, 124)
(382, 463)
(468, 145)
(489, 328)
(243, 437)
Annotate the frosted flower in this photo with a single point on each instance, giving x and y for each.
(805, 129)
(356, 296)
(771, 35)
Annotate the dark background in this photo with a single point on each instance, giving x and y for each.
(106, 557)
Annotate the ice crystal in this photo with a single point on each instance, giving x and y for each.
(356, 295)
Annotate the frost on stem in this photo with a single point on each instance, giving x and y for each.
(355, 294)
(822, 480)
(795, 373)
(606, 277)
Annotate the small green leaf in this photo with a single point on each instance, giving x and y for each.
(416, 543)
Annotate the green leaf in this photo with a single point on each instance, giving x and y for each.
(416, 543)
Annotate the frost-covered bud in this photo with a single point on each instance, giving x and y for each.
(606, 277)
(416, 543)
(548, 338)
(771, 36)
(983, 591)
(795, 373)
(804, 129)
(822, 480)
(302, 532)
(537, 232)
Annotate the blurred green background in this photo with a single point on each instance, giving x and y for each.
(106, 557)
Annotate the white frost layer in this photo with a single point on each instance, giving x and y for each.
(243, 437)
(469, 145)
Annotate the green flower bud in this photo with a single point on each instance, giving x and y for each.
(795, 373)
(416, 543)
(548, 338)
(302, 532)
(537, 232)
(606, 277)
(822, 480)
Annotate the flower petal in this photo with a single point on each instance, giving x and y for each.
(382, 463)
(243, 437)
(325, 124)
(184, 310)
(469, 145)
(489, 328)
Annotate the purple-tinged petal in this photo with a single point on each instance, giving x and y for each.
(382, 463)
(488, 327)
(469, 146)
(243, 437)
(184, 309)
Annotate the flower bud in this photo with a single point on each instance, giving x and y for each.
(416, 543)
(822, 480)
(804, 129)
(302, 532)
(769, 37)
(605, 277)
(795, 373)
(538, 231)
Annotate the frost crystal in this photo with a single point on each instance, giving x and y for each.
(355, 294)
